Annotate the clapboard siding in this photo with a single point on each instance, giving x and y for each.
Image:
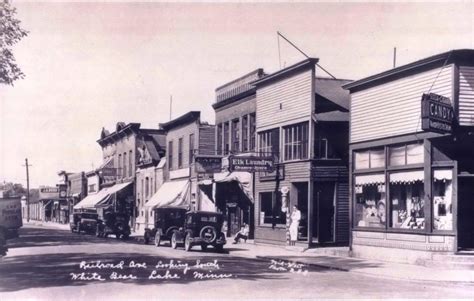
(394, 108)
(294, 95)
(342, 213)
(207, 140)
(466, 96)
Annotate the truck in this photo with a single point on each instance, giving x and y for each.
(10, 217)
(10, 221)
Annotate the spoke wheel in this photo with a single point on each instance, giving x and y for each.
(174, 243)
(203, 247)
(187, 242)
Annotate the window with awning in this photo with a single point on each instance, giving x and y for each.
(93, 200)
(172, 193)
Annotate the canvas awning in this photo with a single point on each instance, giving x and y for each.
(171, 193)
(370, 179)
(244, 179)
(95, 199)
(407, 176)
(443, 174)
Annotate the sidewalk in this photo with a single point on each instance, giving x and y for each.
(354, 265)
(47, 224)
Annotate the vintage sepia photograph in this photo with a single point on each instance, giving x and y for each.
(236, 150)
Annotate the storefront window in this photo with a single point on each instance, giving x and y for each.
(370, 201)
(407, 200)
(406, 154)
(374, 158)
(442, 199)
(270, 209)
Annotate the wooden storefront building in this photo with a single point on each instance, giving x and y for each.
(412, 169)
(302, 120)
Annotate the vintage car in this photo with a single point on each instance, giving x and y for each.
(113, 223)
(166, 221)
(83, 222)
(200, 228)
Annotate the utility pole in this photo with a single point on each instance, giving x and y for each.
(27, 191)
(394, 57)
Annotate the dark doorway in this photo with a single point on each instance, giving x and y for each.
(465, 213)
(323, 211)
(301, 190)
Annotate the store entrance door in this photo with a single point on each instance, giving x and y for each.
(325, 193)
(465, 213)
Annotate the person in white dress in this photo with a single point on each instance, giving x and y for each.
(294, 224)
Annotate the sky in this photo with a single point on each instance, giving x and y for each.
(89, 65)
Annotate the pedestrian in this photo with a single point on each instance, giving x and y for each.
(294, 225)
(242, 234)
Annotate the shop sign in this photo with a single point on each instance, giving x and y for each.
(208, 164)
(437, 113)
(252, 163)
(49, 193)
(108, 172)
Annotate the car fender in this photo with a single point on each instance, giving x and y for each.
(170, 231)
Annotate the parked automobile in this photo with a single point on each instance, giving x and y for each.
(167, 220)
(83, 222)
(113, 223)
(200, 228)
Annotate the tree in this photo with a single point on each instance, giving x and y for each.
(10, 34)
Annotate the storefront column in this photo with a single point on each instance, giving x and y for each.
(427, 185)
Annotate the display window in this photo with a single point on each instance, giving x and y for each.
(442, 199)
(370, 207)
(407, 199)
(271, 209)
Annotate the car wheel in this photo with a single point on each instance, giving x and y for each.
(157, 239)
(187, 242)
(219, 248)
(117, 235)
(174, 242)
(125, 236)
(78, 228)
(203, 247)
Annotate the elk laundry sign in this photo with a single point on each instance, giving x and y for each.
(252, 163)
(437, 113)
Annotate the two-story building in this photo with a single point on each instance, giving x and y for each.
(412, 169)
(149, 175)
(186, 136)
(302, 120)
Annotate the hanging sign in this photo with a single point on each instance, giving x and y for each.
(252, 163)
(437, 114)
(208, 164)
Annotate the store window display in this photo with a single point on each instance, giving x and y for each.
(370, 201)
(407, 199)
(442, 199)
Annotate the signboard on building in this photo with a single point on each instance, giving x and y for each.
(49, 193)
(208, 164)
(437, 113)
(252, 163)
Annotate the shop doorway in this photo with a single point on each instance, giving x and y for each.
(301, 191)
(465, 213)
(323, 212)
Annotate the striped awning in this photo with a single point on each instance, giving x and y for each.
(443, 174)
(407, 176)
(375, 179)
